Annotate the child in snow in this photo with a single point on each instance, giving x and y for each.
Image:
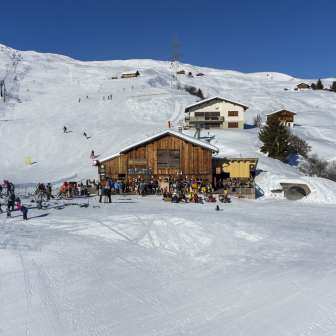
(24, 211)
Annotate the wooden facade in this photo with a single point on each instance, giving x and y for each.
(302, 86)
(167, 156)
(130, 74)
(284, 116)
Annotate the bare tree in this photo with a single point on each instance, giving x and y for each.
(257, 121)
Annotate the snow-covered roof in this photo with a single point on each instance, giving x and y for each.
(109, 157)
(213, 98)
(130, 73)
(236, 158)
(275, 112)
(161, 134)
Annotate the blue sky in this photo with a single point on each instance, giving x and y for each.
(291, 36)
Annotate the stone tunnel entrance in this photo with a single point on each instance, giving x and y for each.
(295, 191)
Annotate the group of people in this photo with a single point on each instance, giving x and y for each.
(11, 201)
(73, 189)
(173, 190)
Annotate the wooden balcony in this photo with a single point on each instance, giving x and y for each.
(205, 120)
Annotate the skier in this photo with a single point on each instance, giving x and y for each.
(86, 136)
(92, 156)
(65, 130)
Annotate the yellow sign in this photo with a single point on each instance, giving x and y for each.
(28, 161)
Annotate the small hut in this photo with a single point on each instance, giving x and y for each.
(236, 174)
(303, 86)
(284, 116)
(130, 74)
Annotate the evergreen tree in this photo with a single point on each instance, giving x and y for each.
(275, 137)
(333, 86)
(313, 86)
(319, 85)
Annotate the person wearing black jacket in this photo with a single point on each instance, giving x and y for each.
(11, 202)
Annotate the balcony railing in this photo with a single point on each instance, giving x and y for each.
(204, 119)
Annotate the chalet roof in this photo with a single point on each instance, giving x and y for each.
(179, 135)
(275, 112)
(236, 158)
(109, 157)
(130, 73)
(303, 84)
(214, 98)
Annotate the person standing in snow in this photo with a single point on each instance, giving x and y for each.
(11, 201)
(24, 211)
(49, 191)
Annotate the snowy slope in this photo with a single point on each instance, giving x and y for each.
(44, 96)
(150, 268)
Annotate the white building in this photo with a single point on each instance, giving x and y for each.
(215, 112)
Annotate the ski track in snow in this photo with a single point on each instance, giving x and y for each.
(155, 268)
(146, 267)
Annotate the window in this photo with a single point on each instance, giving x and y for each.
(199, 114)
(212, 125)
(168, 158)
(232, 125)
(233, 114)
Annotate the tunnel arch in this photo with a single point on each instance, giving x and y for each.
(295, 191)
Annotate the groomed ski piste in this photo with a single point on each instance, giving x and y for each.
(140, 266)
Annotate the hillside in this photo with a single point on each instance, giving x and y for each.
(140, 266)
(48, 91)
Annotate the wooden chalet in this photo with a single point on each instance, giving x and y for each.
(130, 74)
(284, 116)
(164, 156)
(303, 86)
